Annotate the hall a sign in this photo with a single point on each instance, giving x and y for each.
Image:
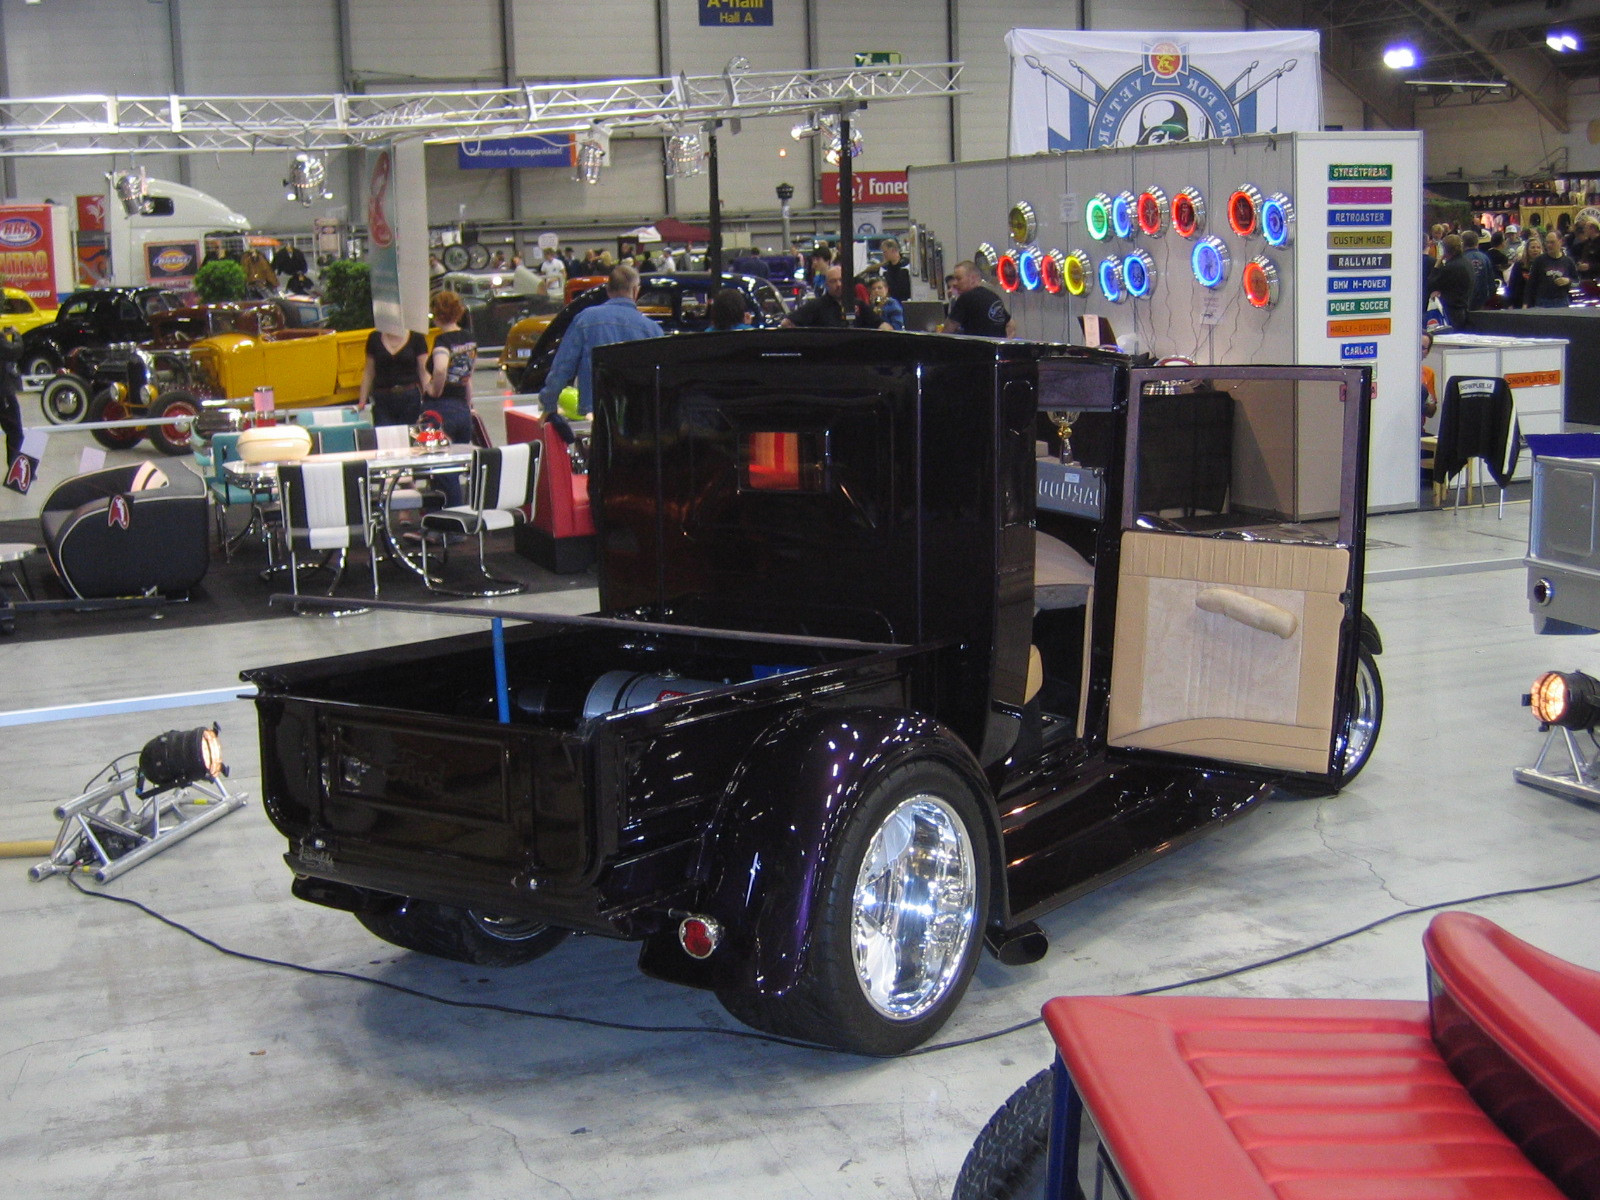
(736, 12)
(867, 187)
(1074, 90)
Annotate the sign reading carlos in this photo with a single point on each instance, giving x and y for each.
(1072, 90)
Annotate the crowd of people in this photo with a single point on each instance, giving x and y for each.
(1533, 268)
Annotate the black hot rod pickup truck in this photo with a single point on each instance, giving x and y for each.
(904, 641)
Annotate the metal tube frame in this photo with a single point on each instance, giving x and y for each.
(113, 810)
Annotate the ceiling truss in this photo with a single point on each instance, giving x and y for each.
(84, 125)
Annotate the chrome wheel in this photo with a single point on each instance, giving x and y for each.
(507, 929)
(914, 910)
(1361, 730)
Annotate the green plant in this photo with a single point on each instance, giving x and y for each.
(220, 281)
(347, 290)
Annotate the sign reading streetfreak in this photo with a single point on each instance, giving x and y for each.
(1072, 90)
(397, 236)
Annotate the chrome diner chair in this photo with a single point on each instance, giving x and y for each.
(501, 487)
(327, 508)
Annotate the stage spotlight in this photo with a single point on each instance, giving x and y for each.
(1562, 41)
(307, 180)
(132, 188)
(685, 154)
(180, 757)
(806, 129)
(594, 152)
(1570, 699)
(1401, 57)
(835, 150)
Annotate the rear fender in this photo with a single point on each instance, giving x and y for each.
(773, 843)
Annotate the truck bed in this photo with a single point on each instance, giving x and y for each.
(389, 770)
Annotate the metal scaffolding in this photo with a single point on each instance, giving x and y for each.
(82, 125)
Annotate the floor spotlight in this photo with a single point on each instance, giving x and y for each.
(1569, 699)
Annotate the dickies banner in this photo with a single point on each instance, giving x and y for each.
(1072, 90)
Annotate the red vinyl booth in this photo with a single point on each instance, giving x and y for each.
(560, 534)
(1490, 1089)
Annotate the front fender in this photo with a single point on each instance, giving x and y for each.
(773, 842)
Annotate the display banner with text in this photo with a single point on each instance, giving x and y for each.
(1073, 90)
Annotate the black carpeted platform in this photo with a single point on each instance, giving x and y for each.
(234, 591)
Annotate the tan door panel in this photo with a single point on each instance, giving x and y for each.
(1227, 648)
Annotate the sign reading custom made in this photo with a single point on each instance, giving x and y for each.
(1351, 241)
(736, 12)
(1075, 90)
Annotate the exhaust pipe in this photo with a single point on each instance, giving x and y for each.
(1019, 946)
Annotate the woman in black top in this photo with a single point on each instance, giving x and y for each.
(1550, 281)
(393, 378)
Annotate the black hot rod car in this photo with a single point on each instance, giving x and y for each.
(884, 670)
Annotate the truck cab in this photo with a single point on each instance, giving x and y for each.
(904, 640)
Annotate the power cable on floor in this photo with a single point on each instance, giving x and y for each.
(754, 1036)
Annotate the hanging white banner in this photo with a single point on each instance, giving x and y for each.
(1072, 90)
(397, 235)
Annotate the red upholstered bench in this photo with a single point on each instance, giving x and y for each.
(560, 534)
(1489, 1091)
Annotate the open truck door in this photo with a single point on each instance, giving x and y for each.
(1238, 611)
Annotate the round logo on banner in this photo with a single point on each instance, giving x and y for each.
(378, 227)
(20, 231)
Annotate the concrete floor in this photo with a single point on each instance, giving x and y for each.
(137, 1062)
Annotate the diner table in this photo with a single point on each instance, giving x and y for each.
(387, 467)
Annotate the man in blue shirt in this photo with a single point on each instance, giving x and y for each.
(618, 319)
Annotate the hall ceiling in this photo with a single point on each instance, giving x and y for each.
(1460, 43)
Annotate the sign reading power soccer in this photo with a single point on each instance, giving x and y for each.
(1073, 90)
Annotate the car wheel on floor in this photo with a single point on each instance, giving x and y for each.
(1360, 733)
(174, 439)
(898, 925)
(1009, 1157)
(65, 400)
(110, 406)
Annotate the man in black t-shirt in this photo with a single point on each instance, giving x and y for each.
(822, 312)
(895, 272)
(976, 309)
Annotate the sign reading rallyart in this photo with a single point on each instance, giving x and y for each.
(1072, 90)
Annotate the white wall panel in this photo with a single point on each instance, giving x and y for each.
(1164, 15)
(92, 46)
(1482, 138)
(905, 132)
(705, 49)
(556, 39)
(980, 43)
(631, 185)
(296, 52)
(422, 40)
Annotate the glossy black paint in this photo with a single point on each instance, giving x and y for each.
(98, 317)
(387, 772)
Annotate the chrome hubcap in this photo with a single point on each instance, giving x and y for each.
(914, 908)
(506, 929)
(1364, 721)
